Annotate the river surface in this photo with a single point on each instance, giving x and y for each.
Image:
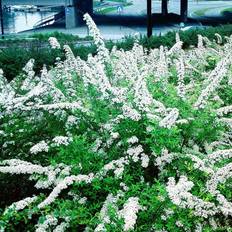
(16, 21)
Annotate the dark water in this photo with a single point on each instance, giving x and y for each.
(20, 21)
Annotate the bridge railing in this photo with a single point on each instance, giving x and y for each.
(49, 20)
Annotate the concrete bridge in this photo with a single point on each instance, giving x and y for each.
(75, 9)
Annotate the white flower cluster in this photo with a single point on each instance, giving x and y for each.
(61, 140)
(145, 160)
(39, 147)
(136, 154)
(214, 80)
(54, 43)
(177, 47)
(111, 201)
(28, 83)
(103, 53)
(142, 97)
(219, 38)
(220, 176)
(82, 200)
(71, 122)
(116, 165)
(22, 167)
(58, 106)
(170, 119)
(181, 75)
(3, 80)
(200, 164)
(167, 214)
(180, 195)
(62, 227)
(219, 155)
(63, 184)
(133, 114)
(15, 166)
(200, 43)
(165, 158)
(97, 145)
(129, 213)
(226, 121)
(162, 67)
(133, 140)
(224, 110)
(48, 222)
(20, 205)
(44, 146)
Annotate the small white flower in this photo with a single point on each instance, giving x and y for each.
(133, 140)
(82, 201)
(61, 140)
(54, 43)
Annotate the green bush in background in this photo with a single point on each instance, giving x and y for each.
(14, 57)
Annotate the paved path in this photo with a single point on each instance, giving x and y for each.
(108, 32)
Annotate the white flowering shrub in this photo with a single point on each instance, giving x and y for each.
(125, 141)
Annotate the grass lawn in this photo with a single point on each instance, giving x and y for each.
(201, 12)
(109, 9)
(227, 10)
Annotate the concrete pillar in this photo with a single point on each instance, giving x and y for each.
(149, 18)
(184, 10)
(70, 17)
(164, 7)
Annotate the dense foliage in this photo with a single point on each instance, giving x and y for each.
(123, 141)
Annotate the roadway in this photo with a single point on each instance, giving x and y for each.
(205, 8)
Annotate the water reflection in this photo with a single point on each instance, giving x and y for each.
(20, 21)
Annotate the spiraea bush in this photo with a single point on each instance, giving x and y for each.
(125, 141)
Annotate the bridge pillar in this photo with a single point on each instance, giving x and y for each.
(184, 10)
(149, 18)
(74, 13)
(164, 7)
(70, 17)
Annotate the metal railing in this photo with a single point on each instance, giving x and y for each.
(49, 20)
